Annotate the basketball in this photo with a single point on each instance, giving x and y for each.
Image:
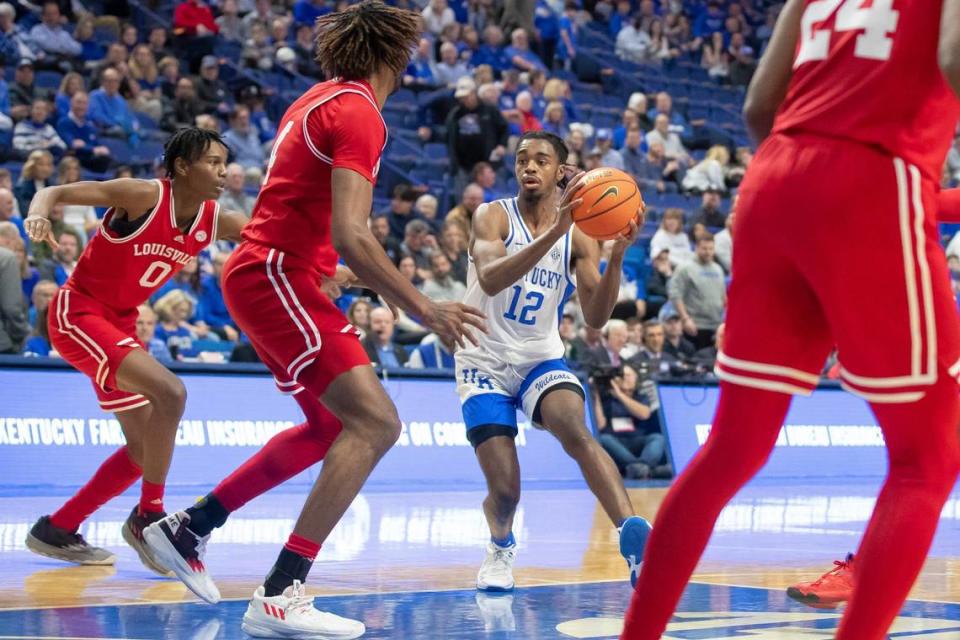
(611, 199)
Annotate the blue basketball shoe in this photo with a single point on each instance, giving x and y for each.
(633, 540)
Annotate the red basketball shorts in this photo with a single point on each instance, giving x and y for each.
(837, 247)
(95, 339)
(302, 337)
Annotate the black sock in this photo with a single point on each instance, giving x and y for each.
(207, 515)
(290, 566)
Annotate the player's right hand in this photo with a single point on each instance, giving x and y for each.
(39, 229)
(568, 203)
(450, 320)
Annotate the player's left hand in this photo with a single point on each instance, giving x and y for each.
(40, 229)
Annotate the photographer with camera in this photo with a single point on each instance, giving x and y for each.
(628, 421)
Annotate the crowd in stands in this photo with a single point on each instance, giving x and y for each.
(652, 87)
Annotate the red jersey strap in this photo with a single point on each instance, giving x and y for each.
(163, 199)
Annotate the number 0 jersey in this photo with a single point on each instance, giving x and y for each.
(123, 272)
(523, 319)
(869, 73)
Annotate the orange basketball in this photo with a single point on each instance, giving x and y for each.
(611, 199)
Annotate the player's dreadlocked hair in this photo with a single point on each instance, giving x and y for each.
(188, 143)
(353, 43)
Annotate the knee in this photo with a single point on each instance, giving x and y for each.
(505, 496)
(578, 443)
(380, 427)
(169, 394)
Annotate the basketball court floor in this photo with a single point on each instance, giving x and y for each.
(405, 562)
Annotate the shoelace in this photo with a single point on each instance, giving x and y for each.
(300, 601)
(503, 555)
(840, 565)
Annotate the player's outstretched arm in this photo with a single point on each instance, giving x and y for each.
(949, 49)
(136, 197)
(495, 269)
(598, 294)
(769, 85)
(230, 225)
(352, 238)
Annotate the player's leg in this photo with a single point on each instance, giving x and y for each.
(56, 535)
(775, 345)
(497, 455)
(284, 456)
(560, 409)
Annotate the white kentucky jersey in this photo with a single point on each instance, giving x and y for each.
(523, 319)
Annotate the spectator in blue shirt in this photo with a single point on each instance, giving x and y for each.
(244, 141)
(491, 52)
(619, 19)
(252, 97)
(548, 28)
(709, 20)
(431, 354)
(307, 11)
(664, 105)
(379, 343)
(147, 334)
(71, 83)
(420, 70)
(38, 344)
(58, 46)
(80, 135)
(213, 308)
(567, 46)
(521, 57)
(109, 111)
(90, 49)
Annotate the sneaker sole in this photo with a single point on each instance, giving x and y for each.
(148, 561)
(489, 589)
(49, 551)
(259, 629)
(812, 600)
(158, 543)
(628, 545)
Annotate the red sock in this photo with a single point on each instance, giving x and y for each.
(284, 456)
(302, 547)
(151, 497)
(114, 476)
(924, 457)
(744, 432)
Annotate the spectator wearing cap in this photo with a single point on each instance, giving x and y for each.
(673, 148)
(109, 111)
(610, 157)
(59, 48)
(306, 12)
(492, 51)
(450, 68)
(401, 209)
(36, 134)
(521, 57)
(23, 91)
(212, 91)
(670, 236)
(14, 43)
(709, 213)
(476, 132)
(244, 142)
(234, 198)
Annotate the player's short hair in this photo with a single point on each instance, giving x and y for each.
(353, 44)
(188, 143)
(558, 145)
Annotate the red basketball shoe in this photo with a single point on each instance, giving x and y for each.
(829, 590)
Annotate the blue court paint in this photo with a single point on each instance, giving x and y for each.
(590, 610)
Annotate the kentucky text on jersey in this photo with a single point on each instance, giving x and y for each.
(162, 250)
(544, 278)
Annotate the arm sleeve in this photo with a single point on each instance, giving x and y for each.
(351, 130)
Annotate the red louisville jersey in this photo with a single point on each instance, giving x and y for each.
(867, 70)
(334, 124)
(123, 271)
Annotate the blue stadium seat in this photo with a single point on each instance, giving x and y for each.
(119, 150)
(220, 346)
(146, 152)
(48, 79)
(435, 151)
